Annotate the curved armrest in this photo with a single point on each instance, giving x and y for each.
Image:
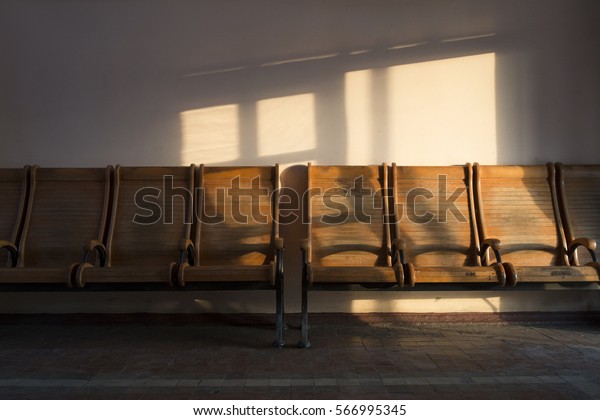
(184, 244)
(305, 247)
(587, 243)
(12, 250)
(97, 246)
(495, 245)
(186, 249)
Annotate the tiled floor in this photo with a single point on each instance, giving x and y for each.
(381, 357)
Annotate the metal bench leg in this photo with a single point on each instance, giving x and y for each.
(304, 327)
(279, 308)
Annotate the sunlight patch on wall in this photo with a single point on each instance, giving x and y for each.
(286, 124)
(210, 135)
(443, 111)
(359, 118)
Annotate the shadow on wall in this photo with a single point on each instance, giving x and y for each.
(269, 81)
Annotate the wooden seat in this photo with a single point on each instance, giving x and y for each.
(579, 200)
(518, 219)
(64, 221)
(150, 224)
(348, 232)
(435, 228)
(13, 193)
(236, 233)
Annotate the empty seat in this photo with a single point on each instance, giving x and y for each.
(348, 233)
(435, 229)
(150, 222)
(65, 216)
(579, 198)
(518, 219)
(236, 241)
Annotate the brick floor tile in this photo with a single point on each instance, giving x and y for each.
(349, 359)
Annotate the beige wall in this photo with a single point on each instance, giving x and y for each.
(334, 82)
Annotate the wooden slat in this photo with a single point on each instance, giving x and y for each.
(227, 273)
(149, 273)
(515, 172)
(351, 274)
(349, 172)
(227, 173)
(157, 173)
(34, 275)
(557, 274)
(442, 274)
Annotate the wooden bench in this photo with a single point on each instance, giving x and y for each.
(579, 200)
(66, 209)
(435, 227)
(519, 220)
(349, 238)
(235, 241)
(13, 193)
(136, 225)
(149, 227)
(219, 226)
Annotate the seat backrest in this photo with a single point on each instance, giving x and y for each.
(518, 205)
(13, 198)
(579, 193)
(434, 215)
(347, 208)
(67, 208)
(236, 215)
(151, 213)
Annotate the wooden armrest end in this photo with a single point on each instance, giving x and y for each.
(184, 244)
(94, 244)
(12, 250)
(99, 247)
(305, 245)
(587, 243)
(278, 243)
(493, 243)
(584, 242)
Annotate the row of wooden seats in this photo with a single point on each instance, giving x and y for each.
(458, 224)
(137, 225)
(368, 225)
